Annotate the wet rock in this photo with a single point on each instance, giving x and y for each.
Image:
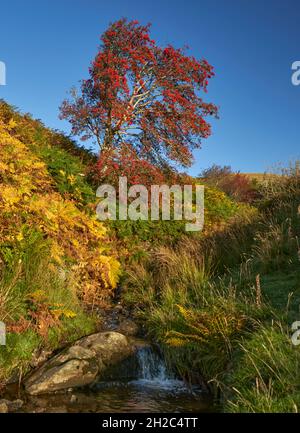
(73, 399)
(109, 347)
(39, 402)
(61, 409)
(39, 357)
(38, 410)
(128, 327)
(80, 364)
(75, 367)
(15, 405)
(10, 406)
(3, 407)
(139, 344)
(58, 409)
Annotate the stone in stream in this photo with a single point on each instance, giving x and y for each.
(128, 327)
(3, 407)
(80, 364)
(10, 406)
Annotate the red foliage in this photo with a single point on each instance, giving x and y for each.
(125, 161)
(143, 95)
(236, 185)
(239, 187)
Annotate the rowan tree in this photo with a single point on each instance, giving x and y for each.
(142, 95)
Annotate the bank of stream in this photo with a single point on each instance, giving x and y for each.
(142, 383)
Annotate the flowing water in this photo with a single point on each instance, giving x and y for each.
(141, 384)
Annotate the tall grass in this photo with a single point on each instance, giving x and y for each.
(266, 374)
(196, 316)
(38, 304)
(210, 305)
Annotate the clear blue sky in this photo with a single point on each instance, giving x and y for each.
(48, 45)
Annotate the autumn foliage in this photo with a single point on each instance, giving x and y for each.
(237, 185)
(143, 96)
(126, 162)
(29, 201)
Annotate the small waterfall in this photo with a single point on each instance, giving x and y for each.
(151, 366)
(152, 371)
(146, 368)
(144, 383)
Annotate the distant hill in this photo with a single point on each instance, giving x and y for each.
(261, 176)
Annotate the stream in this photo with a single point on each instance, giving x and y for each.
(142, 383)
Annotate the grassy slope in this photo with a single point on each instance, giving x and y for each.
(202, 299)
(55, 258)
(222, 307)
(260, 176)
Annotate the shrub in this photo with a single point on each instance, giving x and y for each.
(236, 185)
(28, 199)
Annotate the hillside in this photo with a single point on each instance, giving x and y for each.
(220, 304)
(56, 260)
(261, 177)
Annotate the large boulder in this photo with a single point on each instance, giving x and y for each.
(80, 364)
